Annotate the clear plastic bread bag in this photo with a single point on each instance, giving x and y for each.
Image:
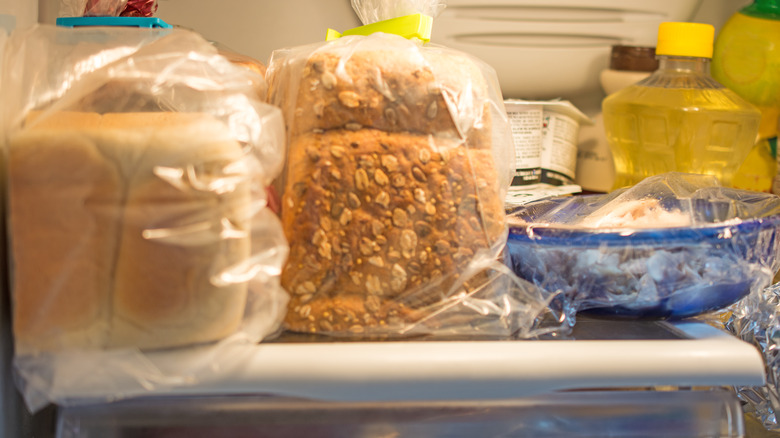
(399, 158)
(138, 162)
(672, 246)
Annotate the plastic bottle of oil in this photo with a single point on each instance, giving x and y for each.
(679, 118)
(628, 65)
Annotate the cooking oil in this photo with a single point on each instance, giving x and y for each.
(654, 130)
(679, 119)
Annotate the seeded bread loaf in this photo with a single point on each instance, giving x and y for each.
(117, 226)
(391, 89)
(380, 224)
(390, 189)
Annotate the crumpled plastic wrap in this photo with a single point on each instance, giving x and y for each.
(674, 245)
(137, 166)
(139, 8)
(371, 11)
(91, 8)
(107, 8)
(399, 158)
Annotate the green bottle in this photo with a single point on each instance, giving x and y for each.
(746, 59)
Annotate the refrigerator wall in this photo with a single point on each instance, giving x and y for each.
(251, 27)
(14, 421)
(18, 12)
(256, 28)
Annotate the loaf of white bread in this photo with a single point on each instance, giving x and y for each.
(390, 188)
(119, 224)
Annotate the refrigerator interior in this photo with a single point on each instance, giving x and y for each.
(256, 29)
(565, 414)
(611, 379)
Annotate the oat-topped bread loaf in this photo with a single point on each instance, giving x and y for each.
(391, 189)
(383, 221)
(436, 91)
(118, 225)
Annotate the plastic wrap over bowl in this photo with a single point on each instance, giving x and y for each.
(724, 246)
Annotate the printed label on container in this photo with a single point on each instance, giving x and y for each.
(526, 121)
(559, 148)
(545, 138)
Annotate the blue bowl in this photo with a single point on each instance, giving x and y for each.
(644, 273)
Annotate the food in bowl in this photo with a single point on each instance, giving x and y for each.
(660, 249)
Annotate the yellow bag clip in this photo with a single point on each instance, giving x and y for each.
(409, 26)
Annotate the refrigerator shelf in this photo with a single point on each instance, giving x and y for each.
(604, 354)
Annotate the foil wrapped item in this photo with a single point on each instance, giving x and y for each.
(756, 320)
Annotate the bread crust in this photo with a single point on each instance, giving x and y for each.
(117, 225)
(381, 223)
(62, 228)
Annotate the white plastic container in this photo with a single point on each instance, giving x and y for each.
(545, 135)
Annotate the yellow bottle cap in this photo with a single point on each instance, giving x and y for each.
(409, 26)
(685, 39)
